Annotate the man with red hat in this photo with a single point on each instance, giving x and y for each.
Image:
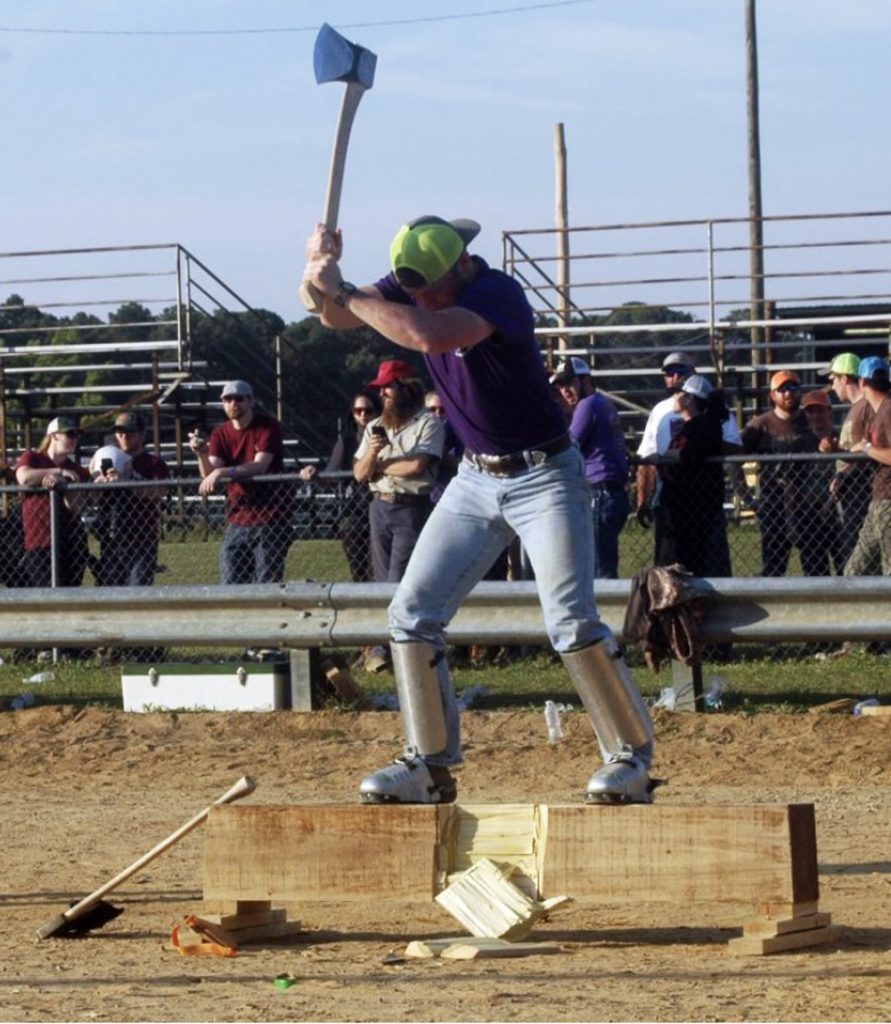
(521, 475)
(787, 512)
(398, 457)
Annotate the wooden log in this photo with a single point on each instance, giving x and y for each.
(321, 851)
(750, 854)
(668, 853)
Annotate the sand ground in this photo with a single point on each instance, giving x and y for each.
(86, 792)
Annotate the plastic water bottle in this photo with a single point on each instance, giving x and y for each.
(552, 720)
(41, 677)
(667, 698)
(713, 697)
(24, 700)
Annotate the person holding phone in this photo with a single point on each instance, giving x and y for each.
(398, 457)
(130, 519)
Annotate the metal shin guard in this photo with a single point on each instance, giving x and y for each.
(611, 698)
(420, 698)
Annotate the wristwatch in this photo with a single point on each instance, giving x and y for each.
(345, 291)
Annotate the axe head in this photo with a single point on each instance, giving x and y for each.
(336, 59)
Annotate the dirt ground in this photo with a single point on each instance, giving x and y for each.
(86, 792)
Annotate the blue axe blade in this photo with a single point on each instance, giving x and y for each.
(336, 59)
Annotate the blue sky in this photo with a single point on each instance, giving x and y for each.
(222, 142)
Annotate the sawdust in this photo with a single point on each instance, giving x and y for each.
(86, 792)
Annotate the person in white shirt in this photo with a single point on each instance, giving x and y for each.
(663, 423)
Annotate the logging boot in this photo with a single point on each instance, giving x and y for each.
(409, 780)
(622, 780)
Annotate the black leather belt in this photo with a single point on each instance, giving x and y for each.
(517, 462)
(401, 499)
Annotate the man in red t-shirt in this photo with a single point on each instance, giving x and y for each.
(248, 444)
(52, 467)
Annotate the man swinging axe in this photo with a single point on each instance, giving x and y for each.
(521, 475)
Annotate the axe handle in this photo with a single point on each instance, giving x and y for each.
(243, 787)
(310, 297)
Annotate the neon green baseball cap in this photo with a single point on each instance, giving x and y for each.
(428, 247)
(846, 364)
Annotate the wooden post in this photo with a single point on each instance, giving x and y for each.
(756, 236)
(562, 218)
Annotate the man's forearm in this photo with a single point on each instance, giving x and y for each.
(364, 469)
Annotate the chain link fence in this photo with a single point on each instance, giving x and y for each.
(795, 515)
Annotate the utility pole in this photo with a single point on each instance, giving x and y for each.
(756, 236)
(562, 217)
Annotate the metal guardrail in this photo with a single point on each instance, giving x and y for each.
(302, 615)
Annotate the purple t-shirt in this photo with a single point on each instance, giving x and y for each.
(595, 425)
(496, 394)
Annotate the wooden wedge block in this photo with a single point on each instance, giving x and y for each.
(465, 951)
(782, 909)
(232, 922)
(252, 906)
(213, 931)
(768, 927)
(751, 946)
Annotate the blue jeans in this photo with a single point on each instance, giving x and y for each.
(549, 509)
(255, 554)
(610, 506)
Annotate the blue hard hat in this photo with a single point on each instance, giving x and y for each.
(874, 368)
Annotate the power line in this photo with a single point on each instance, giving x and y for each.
(492, 12)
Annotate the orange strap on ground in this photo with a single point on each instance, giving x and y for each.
(206, 945)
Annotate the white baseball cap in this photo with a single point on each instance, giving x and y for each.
(569, 368)
(237, 387)
(697, 386)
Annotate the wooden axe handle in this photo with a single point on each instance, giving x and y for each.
(243, 787)
(309, 296)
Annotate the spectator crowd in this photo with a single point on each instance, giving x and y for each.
(400, 453)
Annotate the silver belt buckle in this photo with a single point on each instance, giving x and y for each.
(535, 458)
(493, 465)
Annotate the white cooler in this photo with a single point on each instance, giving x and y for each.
(247, 686)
